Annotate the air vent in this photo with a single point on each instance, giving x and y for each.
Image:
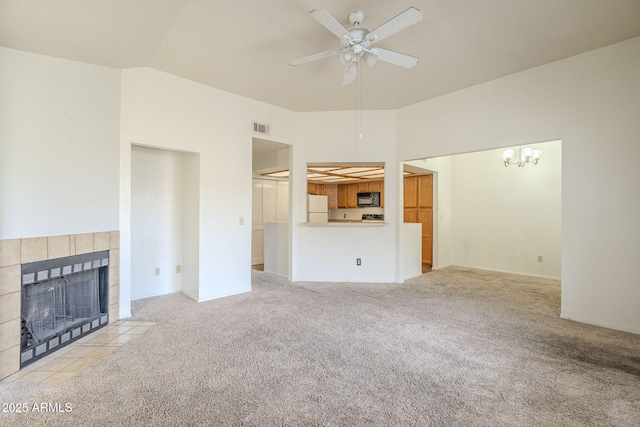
(262, 128)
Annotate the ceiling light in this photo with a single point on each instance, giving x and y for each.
(525, 155)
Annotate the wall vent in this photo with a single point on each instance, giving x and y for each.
(262, 128)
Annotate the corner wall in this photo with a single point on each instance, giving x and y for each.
(591, 103)
(164, 111)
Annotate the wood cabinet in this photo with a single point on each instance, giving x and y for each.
(348, 193)
(315, 189)
(342, 196)
(410, 193)
(418, 208)
(363, 187)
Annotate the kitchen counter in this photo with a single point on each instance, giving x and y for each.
(347, 222)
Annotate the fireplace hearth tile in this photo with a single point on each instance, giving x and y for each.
(35, 377)
(62, 365)
(60, 377)
(9, 252)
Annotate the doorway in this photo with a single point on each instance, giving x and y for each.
(270, 207)
(497, 218)
(418, 208)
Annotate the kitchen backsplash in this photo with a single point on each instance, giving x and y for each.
(353, 214)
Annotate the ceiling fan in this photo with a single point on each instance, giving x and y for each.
(357, 41)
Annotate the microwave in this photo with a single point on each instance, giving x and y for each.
(369, 200)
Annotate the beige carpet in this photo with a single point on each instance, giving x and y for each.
(454, 347)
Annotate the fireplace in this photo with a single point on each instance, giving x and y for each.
(16, 328)
(62, 300)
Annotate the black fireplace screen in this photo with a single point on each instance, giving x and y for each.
(62, 300)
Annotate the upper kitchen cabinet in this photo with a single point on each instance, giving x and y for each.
(315, 189)
(348, 195)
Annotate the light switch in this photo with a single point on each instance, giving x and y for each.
(241, 220)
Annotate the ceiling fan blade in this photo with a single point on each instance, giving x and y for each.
(395, 58)
(350, 74)
(330, 23)
(392, 26)
(315, 57)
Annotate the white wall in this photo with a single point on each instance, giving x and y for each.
(157, 188)
(504, 218)
(329, 252)
(191, 226)
(59, 146)
(591, 103)
(164, 111)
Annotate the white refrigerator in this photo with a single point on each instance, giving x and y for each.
(318, 209)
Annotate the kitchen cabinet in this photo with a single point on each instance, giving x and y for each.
(315, 189)
(352, 195)
(411, 192)
(363, 187)
(418, 208)
(348, 195)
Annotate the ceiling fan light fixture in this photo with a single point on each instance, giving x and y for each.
(347, 57)
(357, 40)
(370, 57)
(350, 73)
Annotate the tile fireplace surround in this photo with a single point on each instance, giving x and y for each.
(15, 252)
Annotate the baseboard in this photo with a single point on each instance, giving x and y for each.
(600, 324)
(226, 295)
(505, 272)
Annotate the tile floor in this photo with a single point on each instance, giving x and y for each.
(64, 364)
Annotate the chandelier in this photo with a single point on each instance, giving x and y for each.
(525, 155)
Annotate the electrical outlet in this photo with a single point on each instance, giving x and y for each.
(157, 271)
(358, 261)
(178, 269)
(344, 215)
(539, 258)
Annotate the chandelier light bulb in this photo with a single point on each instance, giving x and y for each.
(507, 155)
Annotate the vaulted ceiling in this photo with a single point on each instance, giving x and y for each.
(244, 47)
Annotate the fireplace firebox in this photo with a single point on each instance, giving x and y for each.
(63, 300)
